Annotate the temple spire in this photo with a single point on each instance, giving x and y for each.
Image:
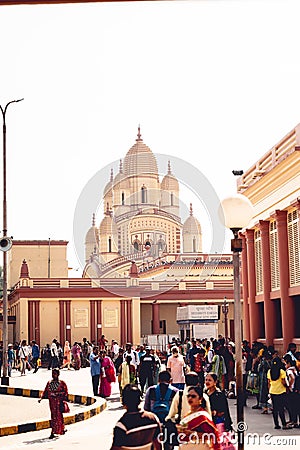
(24, 273)
(191, 209)
(121, 166)
(93, 220)
(139, 136)
(111, 174)
(169, 167)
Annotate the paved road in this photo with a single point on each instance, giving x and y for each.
(97, 431)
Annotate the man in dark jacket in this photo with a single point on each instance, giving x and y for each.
(136, 428)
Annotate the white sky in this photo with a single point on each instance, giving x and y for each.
(213, 82)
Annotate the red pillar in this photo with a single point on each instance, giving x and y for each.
(246, 319)
(62, 321)
(129, 320)
(92, 321)
(253, 307)
(99, 319)
(287, 305)
(269, 306)
(123, 322)
(155, 318)
(30, 321)
(37, 321)
(68, 321)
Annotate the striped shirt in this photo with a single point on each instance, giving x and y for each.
(136, 429)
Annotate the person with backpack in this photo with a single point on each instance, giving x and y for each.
(158, 400)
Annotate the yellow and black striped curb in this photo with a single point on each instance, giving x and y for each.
(93, 407)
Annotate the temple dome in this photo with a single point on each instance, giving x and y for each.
(92, 236)
(191, 225)
(169, 181)
(106, 225)
(140, 159)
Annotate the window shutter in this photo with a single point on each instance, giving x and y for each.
(274, 256)
(294, 247)
(258, 262)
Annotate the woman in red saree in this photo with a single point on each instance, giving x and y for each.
(107, 375)
(197, 431)
(56, 391)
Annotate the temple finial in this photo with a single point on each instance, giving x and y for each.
(139, 136)
(111, 174)
(121, 166)
(169, 167)
(24, 273)
(191, 209)
(93, 220)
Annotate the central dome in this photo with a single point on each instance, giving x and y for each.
(140, 159)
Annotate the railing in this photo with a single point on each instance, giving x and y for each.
(269, 160)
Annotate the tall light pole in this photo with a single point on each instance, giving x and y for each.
(225, 308)
(6, 244)
(236, 212)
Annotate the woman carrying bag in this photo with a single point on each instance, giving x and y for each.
(56, 392)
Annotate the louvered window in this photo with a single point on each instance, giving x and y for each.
(258, 262)
(275, 283)
(294, 247)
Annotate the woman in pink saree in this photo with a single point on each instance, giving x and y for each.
(107, 375)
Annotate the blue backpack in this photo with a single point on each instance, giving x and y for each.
(161, 405)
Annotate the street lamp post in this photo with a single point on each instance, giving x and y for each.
(237, 212)
(5, 248)
(225, 308)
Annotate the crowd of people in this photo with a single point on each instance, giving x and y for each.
(185, 389)
(189, 400)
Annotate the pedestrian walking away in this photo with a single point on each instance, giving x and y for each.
(146, 369)
(277, 388)
(136, 429)
(35, 351)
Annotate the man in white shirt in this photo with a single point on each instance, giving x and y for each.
(54, 355)
(133, 353)
(114, 349)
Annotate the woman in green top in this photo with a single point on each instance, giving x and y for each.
(277, 389)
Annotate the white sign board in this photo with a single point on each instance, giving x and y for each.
(197, 312)
(205, 330)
